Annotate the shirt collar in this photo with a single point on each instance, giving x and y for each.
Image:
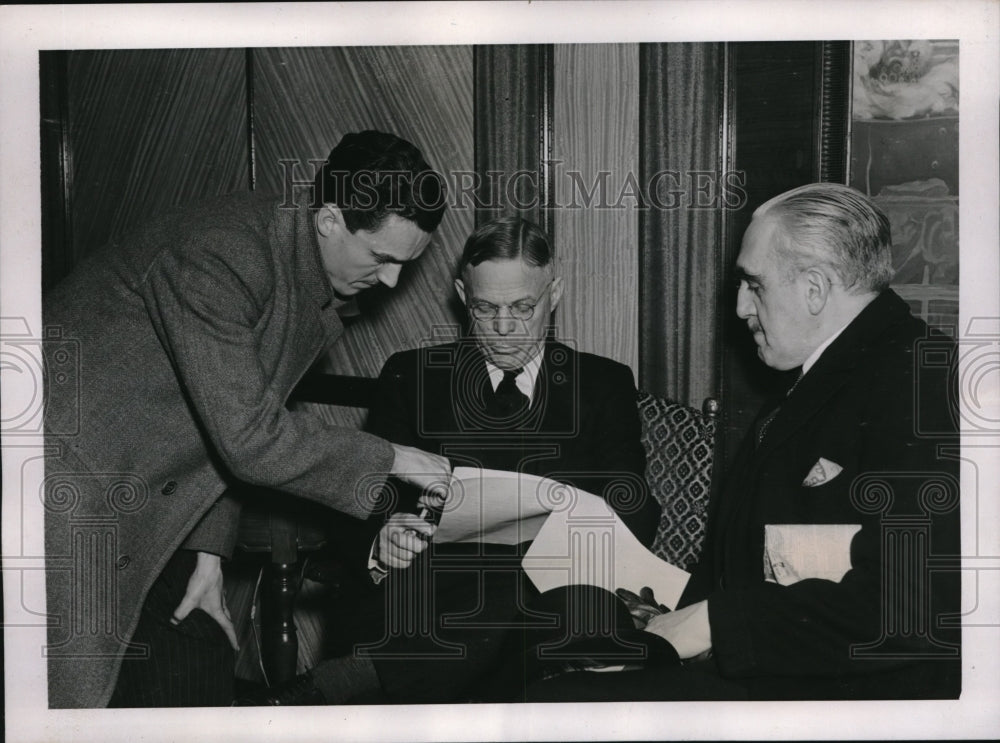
(814, 356)
(525, 381)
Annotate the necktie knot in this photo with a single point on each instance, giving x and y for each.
(509, 381)
(508, 398)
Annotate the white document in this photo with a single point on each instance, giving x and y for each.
(794, 552)
(585, 542)
(496, 506)
(577, 537)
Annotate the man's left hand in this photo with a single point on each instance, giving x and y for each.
(642, 606)
(686, 629)
(204, 591)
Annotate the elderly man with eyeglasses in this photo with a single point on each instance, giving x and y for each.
(440, 618)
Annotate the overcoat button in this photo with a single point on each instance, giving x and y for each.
(169, 488)
(123, 562)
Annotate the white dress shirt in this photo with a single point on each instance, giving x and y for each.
(814, 356)
(525, 381)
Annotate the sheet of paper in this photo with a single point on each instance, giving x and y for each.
(586, 542)
(496, 506)
(794, 552)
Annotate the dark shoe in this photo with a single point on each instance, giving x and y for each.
(301, 691)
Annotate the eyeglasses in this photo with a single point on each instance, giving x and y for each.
(523, 309)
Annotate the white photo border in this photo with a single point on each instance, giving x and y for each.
(24, 30)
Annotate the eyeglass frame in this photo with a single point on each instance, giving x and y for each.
(510, 307)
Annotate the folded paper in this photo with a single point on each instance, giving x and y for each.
(577, 537)
(496, 506)
(587, 543)
(794, 552)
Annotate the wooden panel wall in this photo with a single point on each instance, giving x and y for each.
(150, 129)
(306, 99)
(596, 128)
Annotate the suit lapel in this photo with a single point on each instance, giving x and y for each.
(470, 386)
(553, 396)
(833, 370)
(809, 397)
(550, 401)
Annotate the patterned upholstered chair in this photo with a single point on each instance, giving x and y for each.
(679, 442)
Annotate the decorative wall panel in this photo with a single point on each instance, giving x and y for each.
(904, 154)
(305, 100)
(151, 129)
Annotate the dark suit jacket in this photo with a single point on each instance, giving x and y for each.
(190, 334)
(582, 428)
(877, 403)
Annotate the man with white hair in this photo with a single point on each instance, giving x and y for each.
(816, 580)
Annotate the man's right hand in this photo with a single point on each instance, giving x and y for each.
(404, 536)
(429, 472)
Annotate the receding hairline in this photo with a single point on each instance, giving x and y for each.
(548, 268)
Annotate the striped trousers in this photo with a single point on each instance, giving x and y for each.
(190, 664)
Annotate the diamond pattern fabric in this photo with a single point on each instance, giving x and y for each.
(679, 443)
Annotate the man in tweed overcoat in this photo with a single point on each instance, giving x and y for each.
(192, 331)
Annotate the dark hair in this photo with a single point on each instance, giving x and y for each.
(504, 239)
(370, 175)
(838, 226)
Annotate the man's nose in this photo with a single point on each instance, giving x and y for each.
(744, 306)
(388, 274)
(503, 323)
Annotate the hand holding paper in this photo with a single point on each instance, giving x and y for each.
(493, 506)
(642, 607)
(577, 537)
(404, 536)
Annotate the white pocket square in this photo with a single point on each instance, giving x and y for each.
(823, 471)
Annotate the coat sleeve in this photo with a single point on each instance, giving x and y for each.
(388, 418)
(393, 411)
(218, 529)
(208, 312)
(818, 627)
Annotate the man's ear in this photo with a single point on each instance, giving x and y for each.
(329, 220)
(556, 291)
(460, 288)
(817, 288)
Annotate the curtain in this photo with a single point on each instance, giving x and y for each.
(681, 248)
(513, 85)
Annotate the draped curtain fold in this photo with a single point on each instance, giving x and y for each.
(681, 248)
(513, 85)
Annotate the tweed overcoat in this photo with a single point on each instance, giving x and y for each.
(189, 334)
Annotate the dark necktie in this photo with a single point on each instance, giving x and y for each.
(507, 398)
(765, 423)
